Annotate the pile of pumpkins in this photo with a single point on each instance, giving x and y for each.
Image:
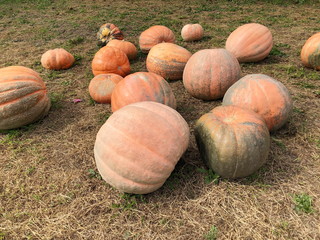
(139, 145)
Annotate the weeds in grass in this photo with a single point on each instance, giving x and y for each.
(212, 234)
(94, 174)
(303, 203)
(210, 176)
(129, 201)
(56, 100)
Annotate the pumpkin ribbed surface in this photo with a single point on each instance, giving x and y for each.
(234, 142)
(57, 59)
(192, 32)
(264, 95)
(142, 86)
(23, 97)
(127, 47)
(310, 53)
(139, 145)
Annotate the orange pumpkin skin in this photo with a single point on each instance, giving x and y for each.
(127, 47)
(142, 86)
(57, 59)
(107, 32)
(310, 53)
(23, 97)
(110, 60)
(264, 95)
(167, 60)
(102, 85)
(139, 145)
(234, 142)
(154, 35)
(250, 42)
(192, 32)
(210, 72)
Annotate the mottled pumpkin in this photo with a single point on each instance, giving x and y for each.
(107, 32)
(127, 47)
(142, 86)
(167, 60)
(250, 42)
(139, 145)
(264, 95)
(57, 59)
(110, 60)
(210, 72)
(234, 142)
(154, 35)
(310, 53)
(23, 97)
(102, 85)
(192, 32)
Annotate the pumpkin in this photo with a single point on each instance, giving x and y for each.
(167, 60)
(250, 42)
(233, 142)
(23, 97)
(142, 86)
(107, 32)
(110, 60)
(154, 35)
(310, 53)
(210, 72)
(137, 148)
(264, 95)
(102, 85)
(192, 32)
(127, 47)
(57, 59)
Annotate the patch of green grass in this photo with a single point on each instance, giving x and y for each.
(277, 52)
(94, 174)
(210, 176)
(212, 234)
(75, 41)
(279, 143)
(56, 100)
(303, 203)
(129, 201)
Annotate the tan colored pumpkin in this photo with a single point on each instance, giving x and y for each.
(192, 32)
(127, 47)
(250, 42)
(264, 95)
(23, 97)
(142, 86)
(210, 72)
(234, 142)
(139, 145)
(154, 35)
(107, 32)
(57, 59)
(102, 85)
(167, 60)
(310, 53)
(110, 60)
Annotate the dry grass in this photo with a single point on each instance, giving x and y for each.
(49, 186)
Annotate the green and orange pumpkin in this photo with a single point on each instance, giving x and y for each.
(310, 53)
(107, 32)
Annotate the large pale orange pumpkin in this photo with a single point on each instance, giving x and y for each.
(167, 60)
(154, 35)
(127, 47)
(107, 32)
(142, 86)
(250, 42)
(139, 145)
(23, 97)
(102, 85)
(210, 72)
(110, 60)
(234, 142)
(192, 32)
(57, 59)
(264, 95)
(310, 53)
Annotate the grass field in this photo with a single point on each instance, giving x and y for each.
(49, 185)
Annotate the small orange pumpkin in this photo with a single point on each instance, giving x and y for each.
(127, 47)
(310, 53)
(139, 145)
(107, 32)
(154, 35)
(23, 97)
(167, 60)
(192, 32)
(142, 86)
(102, 85)
(250, 42)
(110, 60)
(57, 59)
(264, 95)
